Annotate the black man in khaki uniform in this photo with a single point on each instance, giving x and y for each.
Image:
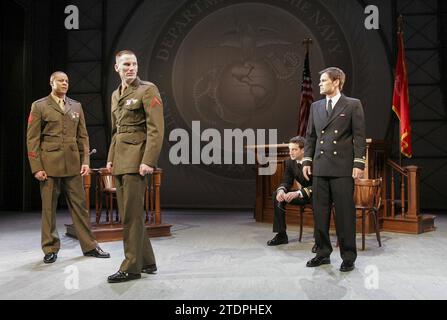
(137, 137)
(58, 152)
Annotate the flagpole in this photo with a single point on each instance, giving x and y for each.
(307, 42)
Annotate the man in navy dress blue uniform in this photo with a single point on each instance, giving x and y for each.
(285, 194)
(334, 155)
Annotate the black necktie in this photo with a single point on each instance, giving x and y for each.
(329, 108)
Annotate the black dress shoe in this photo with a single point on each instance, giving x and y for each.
(347, 266)
(121, 276)
(50, 257)
(318, 261)
(314, 248)
(278, 239)
(152, 268)
(97, 253)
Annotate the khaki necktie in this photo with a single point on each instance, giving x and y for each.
(123, 88)
(62, 105)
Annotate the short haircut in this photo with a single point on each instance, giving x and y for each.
(122, 53)
(299, 140)
(335, 73)
(55, 73)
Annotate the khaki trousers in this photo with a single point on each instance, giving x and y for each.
(130, 189)
(75, 197)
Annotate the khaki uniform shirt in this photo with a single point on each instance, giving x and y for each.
(57, 141)
(137, 127)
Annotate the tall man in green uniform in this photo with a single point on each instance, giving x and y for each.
(58, 152)
(137, 137)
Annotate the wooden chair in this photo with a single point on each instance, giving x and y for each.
(106, 183)
(107, 186)
(368, 199)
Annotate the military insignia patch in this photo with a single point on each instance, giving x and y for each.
(154, 102)
(30, 118)
(74, 115)
(131, 101)
(32, 155)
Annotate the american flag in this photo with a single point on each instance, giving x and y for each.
(307, 98)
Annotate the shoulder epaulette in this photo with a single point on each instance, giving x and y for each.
(72, 100)
(41, 100)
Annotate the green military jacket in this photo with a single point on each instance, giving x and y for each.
(57, 141)
(137, 127)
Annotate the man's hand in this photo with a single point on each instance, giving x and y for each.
(307, 172)
(290, 196)
(109, 166)
(85, 170)
(357, 173)
(145, 169)
(41, 175)
(280, 195)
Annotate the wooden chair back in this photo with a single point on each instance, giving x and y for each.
(106, 180)
(368, 193)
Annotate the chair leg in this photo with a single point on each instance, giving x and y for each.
(107, 207)
(111, 208)
(363, 229)
(301, 224)
(98, 208)
(376, 226)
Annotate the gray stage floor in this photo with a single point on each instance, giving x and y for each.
(222, 256)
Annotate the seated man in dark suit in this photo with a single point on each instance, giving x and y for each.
(283, 195)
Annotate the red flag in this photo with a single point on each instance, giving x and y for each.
(306, 98)
(401, 104)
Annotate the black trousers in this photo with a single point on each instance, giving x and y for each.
(340, 191)
(279, 219)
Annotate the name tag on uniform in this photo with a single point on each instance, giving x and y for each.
(131, 101)
(342, 115)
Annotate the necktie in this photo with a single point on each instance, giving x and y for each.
(62, 105)
(329, 108)
(123, 88)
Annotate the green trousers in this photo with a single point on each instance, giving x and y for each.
(138, 251)
(75, 197)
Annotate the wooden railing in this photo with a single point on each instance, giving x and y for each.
(406, 181)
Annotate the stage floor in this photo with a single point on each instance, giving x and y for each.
(222, 255)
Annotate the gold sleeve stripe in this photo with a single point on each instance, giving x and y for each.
(307, 192)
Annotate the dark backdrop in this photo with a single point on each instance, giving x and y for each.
(200, 53)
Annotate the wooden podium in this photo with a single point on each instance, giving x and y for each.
(404, 219)
(113, 231)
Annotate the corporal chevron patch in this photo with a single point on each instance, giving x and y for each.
(32, 155)
(155, 101)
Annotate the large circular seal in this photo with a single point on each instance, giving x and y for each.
(238, 64)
